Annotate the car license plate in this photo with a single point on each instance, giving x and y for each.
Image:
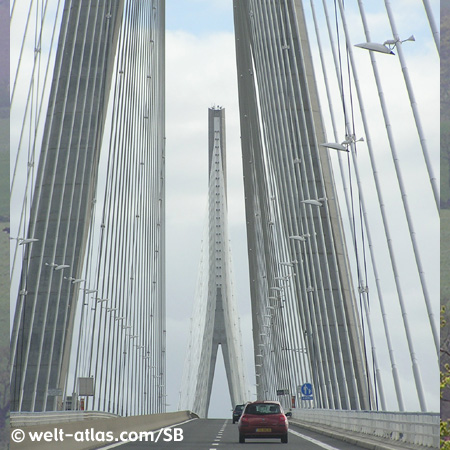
(263, 430)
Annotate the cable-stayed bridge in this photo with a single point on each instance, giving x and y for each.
(88, 271)
(215, 321)
(69, 239)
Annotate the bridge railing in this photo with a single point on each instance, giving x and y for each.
(413, 428)
(23, 419)
(92, 424)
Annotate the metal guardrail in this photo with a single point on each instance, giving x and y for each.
(409, 428)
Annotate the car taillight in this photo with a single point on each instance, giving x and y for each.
(244, 419)
(282, 418)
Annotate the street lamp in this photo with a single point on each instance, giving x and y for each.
(24, 241)
(74, 280)
(57, 266)
(343, 146)
(314, 202)
(89, 291)
(386, 47)
(288, 263)
(302, 237)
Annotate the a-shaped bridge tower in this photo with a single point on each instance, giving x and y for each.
(215, 321)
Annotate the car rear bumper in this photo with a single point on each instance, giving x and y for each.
(276, 432)
(264, 436)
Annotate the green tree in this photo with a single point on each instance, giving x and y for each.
(445, 383)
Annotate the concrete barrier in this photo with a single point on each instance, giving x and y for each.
(418, 429)
(87, 432)
(24, 419)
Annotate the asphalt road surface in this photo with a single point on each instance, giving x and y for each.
(221, 434)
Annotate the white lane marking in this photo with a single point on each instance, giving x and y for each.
(219, 436)
(314, 441)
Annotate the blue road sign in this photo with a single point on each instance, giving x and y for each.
(307, 390)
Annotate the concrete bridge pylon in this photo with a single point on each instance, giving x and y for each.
(215, 321)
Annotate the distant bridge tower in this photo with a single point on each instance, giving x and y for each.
(215, 321)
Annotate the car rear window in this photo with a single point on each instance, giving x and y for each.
(239, 408)
(263, 408)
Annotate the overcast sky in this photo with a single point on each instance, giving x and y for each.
(200, 73)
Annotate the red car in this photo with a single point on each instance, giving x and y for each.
(263, 419)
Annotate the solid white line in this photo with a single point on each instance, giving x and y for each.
(314, 441)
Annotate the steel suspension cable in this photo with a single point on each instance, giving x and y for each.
(362, 282)
(385, 224)
(423, 143)
(433, 26)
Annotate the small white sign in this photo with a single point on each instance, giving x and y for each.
(85, 386)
